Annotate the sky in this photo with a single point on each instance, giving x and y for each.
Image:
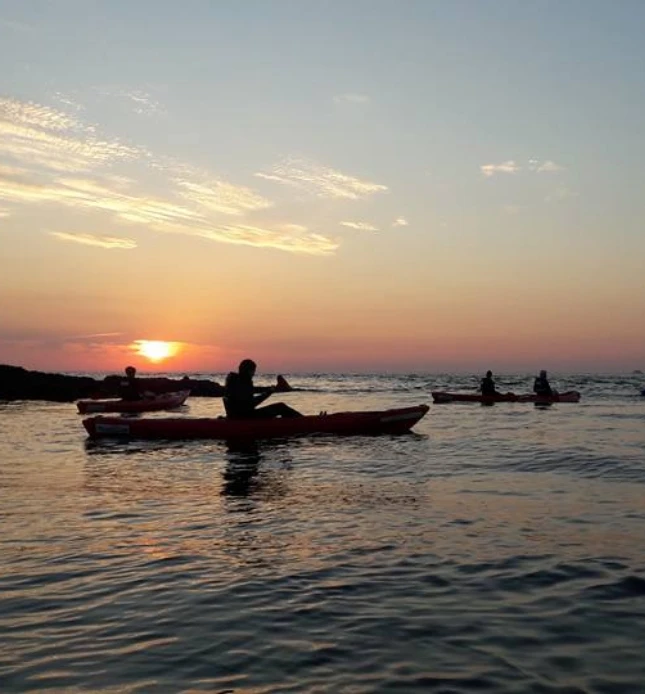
(363, 185)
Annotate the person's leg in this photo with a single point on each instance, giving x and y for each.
(277, 409)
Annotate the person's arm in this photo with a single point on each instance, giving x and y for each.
(258, 399)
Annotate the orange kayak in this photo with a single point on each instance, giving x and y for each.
(395, 421)
(165, 401)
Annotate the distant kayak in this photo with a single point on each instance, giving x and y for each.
(440, 397)
(165, 401)
(394, 421)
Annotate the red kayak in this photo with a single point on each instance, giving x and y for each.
(440, 397)
(165, 401)
(396, 421)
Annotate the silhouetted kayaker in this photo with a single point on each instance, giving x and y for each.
(241, 401)
(541, 384)
(129, 388)
(487, 385)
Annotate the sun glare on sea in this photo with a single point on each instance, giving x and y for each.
(156, 350)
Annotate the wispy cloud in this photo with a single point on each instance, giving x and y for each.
(14, 113)
(507, 167)
(219, 196)
(70, 104)
(351, 98)
(51, 157)
(40, 137)
(163, 216)
(99, 195)
(511, 167)
(547, 166)
(400, 222)
(137, 100)
(4, 212)
(13, 172)
(294, 228)
(360, 226)
(320, 180)
(281, 237)
(100, 241)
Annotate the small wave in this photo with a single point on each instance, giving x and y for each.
(631, 586)
(581, 464)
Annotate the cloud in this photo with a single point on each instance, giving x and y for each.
(100, 241)
(162, 216)
(28, 114)
(138, 100)
(4, 212)
(320, 180)
(66, 101)
(400, 222)
(508, 167)
(40, 137)
(549, 167)
(351, 98)
(52, 158)
(98, 195)
(294, 228)
(12, 172)
(360, 226)
(283, 238)
(219, 196)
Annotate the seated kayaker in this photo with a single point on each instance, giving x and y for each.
(487, 385)
(129, 388)
(541, 384)
(241, 397)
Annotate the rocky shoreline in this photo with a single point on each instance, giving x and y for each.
(17, 383)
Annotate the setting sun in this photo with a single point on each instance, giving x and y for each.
(156, 350)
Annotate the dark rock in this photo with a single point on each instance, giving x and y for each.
(17, 383)
(197, 387)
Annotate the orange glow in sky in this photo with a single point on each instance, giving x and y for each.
(156, 350)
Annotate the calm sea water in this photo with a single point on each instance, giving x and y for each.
(494, 549)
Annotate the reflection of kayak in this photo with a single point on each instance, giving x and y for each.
(442, 397)
(165, 401)
(395, 421)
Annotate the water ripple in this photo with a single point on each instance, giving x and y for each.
(494, 550)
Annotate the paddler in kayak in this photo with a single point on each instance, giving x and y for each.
(541, 385)
(241, 397)
(487, 385)
(129, 387)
